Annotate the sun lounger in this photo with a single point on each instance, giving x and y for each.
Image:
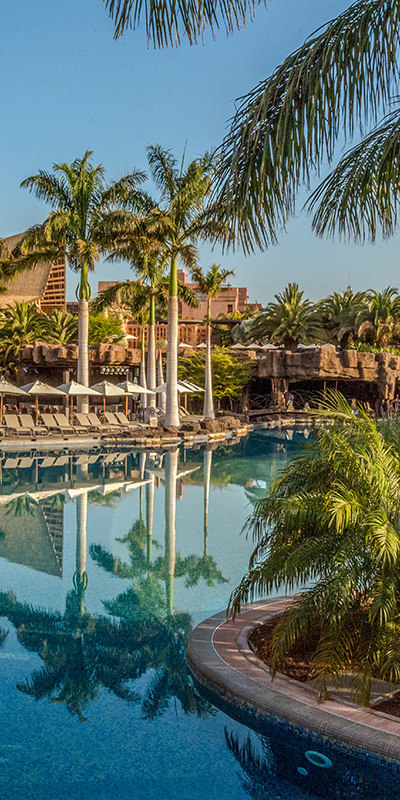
(26, 421)
(25, 462)
(47, 462)
(84, 422)
(112, 420)
(100, 426)
(123, 420)
(51, 425)
(13, 426)
(10, 463)
(61, 461)
(66, 425)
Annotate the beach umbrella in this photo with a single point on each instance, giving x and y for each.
(182, 388)
(108, 389)
(192, 387)
(7, 388)
(201, 346)
(253, 347)
(162, 401)
(185, 345)
(269, 346)
(132, 388)
(238, 346)
(74, 389)
(39, 389)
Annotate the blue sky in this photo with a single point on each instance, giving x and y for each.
(68, 86)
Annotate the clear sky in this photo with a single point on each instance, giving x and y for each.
(68, 86)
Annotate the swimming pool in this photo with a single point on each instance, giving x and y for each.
(107, 561)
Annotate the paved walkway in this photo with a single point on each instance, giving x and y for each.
(220, 659)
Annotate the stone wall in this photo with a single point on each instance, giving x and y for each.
(43, 358)
(283, 366)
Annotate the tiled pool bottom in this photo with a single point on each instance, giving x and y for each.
(96, 700)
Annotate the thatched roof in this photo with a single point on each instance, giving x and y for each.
(28, 285)
(26, 540)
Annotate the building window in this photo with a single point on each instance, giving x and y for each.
(230, 308)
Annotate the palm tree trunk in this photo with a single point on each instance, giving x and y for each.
(151, 354)
(160, 380)
(142, 373)
(83, 353)
(208, 405)
(207, 478)
(80, 573)
(149, 515)
(171, 466)
(172, 407)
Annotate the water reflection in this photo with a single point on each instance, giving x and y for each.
(143, 633)
(130, 541)
(279, 765)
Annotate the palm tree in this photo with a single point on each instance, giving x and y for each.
(182, 197)
(289, 321)
(167, 22)
(20, 324)
(60, 328)
(338, 314)
(330, 523)
(210, 285)
(379, 320)
(85, 214)
(145, 298)
(336, 83)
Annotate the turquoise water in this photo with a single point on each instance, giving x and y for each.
(106, 563)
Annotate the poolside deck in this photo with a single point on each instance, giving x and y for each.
(220, 659)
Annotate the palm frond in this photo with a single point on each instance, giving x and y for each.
(336, 81)
(361, 194)
(167, 23)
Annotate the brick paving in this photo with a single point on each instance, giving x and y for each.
(219, 657)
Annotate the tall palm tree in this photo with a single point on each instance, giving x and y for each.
(335, 84)
(146, 298)
(166, 22)
(210, 285)
(85, 214)
(183, 193)
(289, 321)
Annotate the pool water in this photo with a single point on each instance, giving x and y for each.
(107, 561)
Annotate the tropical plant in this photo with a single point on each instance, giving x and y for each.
(289, 321)
(337, 315)
(230, 374)
(330, 526)
(60, 328)
(20, 324)
(165, 24)
(379, 321)
(339, 80)
(210, 285)
(105, 329)
(85, 216)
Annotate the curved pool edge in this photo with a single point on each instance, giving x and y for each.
(220, 659)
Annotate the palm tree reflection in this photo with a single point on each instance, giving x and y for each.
(83, 653)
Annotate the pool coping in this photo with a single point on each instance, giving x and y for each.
(220, 659)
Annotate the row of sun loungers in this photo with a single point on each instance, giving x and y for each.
(23, 425)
